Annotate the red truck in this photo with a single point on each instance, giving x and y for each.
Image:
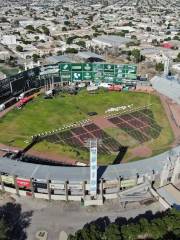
(114, 87)
(23, 101)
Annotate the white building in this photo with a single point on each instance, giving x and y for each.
(109, 41)
(8, 40)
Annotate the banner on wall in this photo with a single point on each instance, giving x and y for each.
(23, 183)
(7, 179)
(128, 183)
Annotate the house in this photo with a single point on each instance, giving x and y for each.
(110, 41)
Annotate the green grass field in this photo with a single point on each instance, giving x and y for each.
(47, 114)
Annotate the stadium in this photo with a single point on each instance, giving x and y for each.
(52, 115)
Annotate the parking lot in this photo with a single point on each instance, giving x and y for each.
(55, 217)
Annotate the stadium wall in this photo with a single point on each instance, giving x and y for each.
(72, 183)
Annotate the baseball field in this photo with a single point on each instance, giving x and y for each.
(142, 132)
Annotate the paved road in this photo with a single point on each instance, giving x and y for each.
(170, 88)
(55, 217)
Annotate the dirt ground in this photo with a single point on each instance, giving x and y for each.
(52, 157)
(102, 122)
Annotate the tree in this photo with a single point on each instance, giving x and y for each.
(148, 29)
(112, 232)
(177, 58)
(19, 48)
(71, 50)
(59, 52)
(176, 38)
(136, 55)
(35, 57)
(67, 23)
(45, 30)
(159, 67)
(64, 29)
(30, 28)
(81, 43)
(155, 42)
(36, 38)
(133, 37)
(69, 40)
(3, 19)
(3, 230)
(167, 39)
(168, 32)
(13, 222)
(163, 227)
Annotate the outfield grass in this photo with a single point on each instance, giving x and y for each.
(47, 114)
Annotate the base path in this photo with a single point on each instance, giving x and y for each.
(102, 122)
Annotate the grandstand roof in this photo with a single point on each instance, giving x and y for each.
(78, 174)
(59, 59)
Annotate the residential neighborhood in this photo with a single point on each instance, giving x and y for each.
(32, 31)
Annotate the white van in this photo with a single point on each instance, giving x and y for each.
(2, 107)
(105, 85)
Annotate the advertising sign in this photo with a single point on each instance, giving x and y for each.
(22, 182)
(119, 69)
(7, 179)
(87, 76)
(132, 69)
(97, 76)
(65, 76)
(93, 170)
(59, 192)
(117, 80)
(109, 74)
(40, 185)
(109, 67)
(128, 183)
(87, 67)
(93, 72)
(77, 76)
(97, 67)
(108, 79)
(42, 190)
(56, 186)
(65, 67)
(132, 76)
(76, 67)
(75, 186)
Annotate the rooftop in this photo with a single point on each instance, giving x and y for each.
(58, 59)
(113, 40)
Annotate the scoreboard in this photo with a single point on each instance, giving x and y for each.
(97, 72)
